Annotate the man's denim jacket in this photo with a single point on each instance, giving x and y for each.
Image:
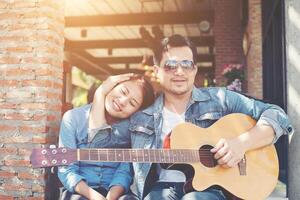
(206, 106)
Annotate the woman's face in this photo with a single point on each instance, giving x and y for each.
(124, 99)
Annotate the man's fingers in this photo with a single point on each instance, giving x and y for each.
(218, 146)
(225, 159)
(221, 151)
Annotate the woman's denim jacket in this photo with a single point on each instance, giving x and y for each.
(206, 106)
(74, 134)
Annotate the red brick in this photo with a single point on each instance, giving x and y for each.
(38, 117)
(9, 83)
(40, 140)
(8, 150)
(4, 174)
(4, 197)
(34, 129)
(32, 106)
(18, 116)
(24, 4)
(33, 198)
(8, 15)
(43, 72)
(55, 107)
(37, 83)
(8, 105)
(17, 163)
(19, 49)
(37, 188)
(24, 152)
(26, 175)
(11, 186)
(7, 128)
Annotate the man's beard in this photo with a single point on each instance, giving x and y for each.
(177, 92)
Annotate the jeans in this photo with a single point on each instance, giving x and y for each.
(174, 191)
(66, 195)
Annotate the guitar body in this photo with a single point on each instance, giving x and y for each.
(253, 180)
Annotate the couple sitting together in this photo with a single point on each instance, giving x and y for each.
(124, 114)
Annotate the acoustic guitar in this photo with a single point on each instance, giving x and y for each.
(254, 178)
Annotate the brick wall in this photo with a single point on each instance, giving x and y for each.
(254, 56)
(228, 32)
(31, 55)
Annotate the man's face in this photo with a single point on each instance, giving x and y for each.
(179, 81)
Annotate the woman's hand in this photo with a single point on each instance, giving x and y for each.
(111, 82)
(97, 113)
(115, 192)
(83, 189)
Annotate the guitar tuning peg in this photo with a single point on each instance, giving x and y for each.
(52, 146)
(52, 170)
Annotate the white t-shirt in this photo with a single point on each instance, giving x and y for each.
(170, 120)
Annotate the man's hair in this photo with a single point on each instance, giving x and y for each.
(173, 41)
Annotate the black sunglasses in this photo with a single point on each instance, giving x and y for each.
(172, 65)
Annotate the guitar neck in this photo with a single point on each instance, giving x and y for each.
(139, 155)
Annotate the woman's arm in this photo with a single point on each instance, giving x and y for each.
(121, 181)
(83, 189)
(115, 192)
(97, 113)
(69, 175)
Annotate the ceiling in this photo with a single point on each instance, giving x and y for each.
(102, 37)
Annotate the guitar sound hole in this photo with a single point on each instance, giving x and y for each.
(206, 157)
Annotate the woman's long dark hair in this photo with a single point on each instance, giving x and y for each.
(148, 92)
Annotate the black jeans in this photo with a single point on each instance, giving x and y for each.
(66, 195)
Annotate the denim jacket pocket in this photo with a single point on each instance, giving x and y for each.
(141, 135)
(207, 119)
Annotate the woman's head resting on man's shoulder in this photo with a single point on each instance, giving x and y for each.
(128, 97)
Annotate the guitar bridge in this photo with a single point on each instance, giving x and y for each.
(242, 167)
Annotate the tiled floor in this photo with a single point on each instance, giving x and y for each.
(279, 193)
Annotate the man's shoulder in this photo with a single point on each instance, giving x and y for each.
(142, 115)
(208, 93)
(210, 89)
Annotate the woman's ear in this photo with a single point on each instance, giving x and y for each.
(155, 69)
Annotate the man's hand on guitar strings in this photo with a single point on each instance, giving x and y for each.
(229, 152)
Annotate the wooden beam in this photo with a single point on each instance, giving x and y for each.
(127, 43)
(82, 60)
(139, 19)
(138, 59)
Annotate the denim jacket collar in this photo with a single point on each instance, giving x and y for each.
(197, 95)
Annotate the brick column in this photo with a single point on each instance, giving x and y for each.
(31, 56)
(228, 32)
(254, 56)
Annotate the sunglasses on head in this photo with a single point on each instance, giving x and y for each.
(172, 65)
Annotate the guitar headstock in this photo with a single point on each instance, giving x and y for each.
(48, 157)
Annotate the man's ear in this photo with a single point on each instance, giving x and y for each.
(196, 69)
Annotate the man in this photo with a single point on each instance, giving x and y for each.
(181, 101)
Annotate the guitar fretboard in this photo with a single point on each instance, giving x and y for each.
(142, 155)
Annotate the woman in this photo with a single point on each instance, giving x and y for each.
(121, 96)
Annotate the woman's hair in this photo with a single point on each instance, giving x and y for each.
(148, 92)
